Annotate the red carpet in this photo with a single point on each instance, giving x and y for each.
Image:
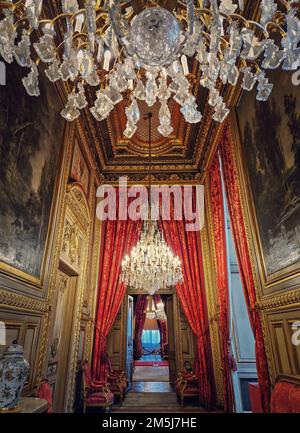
(151, 363)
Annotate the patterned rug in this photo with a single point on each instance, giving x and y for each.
(150, 374)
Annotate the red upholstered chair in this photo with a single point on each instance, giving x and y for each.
(285, 397)
(116, 379)
(44, 391)
(117, 373)
(255, 397)
(187, 385)
(96, 394)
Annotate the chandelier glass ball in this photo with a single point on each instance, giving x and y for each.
(155, 36)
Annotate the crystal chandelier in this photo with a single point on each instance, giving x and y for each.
(151, 265)
(126, 51)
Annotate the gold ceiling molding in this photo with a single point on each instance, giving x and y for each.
(159, 179)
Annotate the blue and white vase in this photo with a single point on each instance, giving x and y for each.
(13, 374)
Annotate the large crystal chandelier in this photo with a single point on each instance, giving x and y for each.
(125, 50)
(151, 265)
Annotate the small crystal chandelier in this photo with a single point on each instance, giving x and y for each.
(157, 313)
(151, 265)
(150, 311)
(124, 50)
(160, 312)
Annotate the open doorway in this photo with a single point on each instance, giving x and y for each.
(242, 342)
(150, 339)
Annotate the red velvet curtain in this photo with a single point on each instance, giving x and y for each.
(243, 255)
(162, 326)
(219, 235)
(140, 317)
(187, 245)
(117, 239)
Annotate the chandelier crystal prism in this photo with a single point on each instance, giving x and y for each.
(146, 54)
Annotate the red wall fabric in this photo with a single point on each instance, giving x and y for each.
(219, 237)
(140, 317)
(243, 256)
(117, 239)
(187, 246)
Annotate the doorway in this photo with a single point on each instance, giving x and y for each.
(61, 347)
(242, 339)
(151, 340)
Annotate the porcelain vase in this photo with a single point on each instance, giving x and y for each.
(13, 374)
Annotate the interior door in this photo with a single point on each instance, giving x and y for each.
(171, 339)
(62, 336)
(129, 345)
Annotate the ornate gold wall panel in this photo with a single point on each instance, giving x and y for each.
(25, 327)
(187, 339)
(116, 340)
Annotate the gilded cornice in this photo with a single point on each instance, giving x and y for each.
(14, 300)
(278, 301)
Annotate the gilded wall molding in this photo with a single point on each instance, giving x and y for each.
(47, 322)
(76, 201)
(209, 275)
(77, 215)
(93, 293)
(22, 302)
(279, 301)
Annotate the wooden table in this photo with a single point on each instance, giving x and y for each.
(30, 405)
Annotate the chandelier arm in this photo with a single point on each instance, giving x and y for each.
(103, 14)
(20, 21)
(286, 4)
(44, 21)
(277, 26)
(13, 6)
(246, 62)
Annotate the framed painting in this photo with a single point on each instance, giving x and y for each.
(79, 169)
(269, 135)
(31, 135)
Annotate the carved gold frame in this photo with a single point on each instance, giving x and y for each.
(37, 285)
(285, 279)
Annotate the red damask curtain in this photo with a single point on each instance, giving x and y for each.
(117, 239)
(187, 246)
(140, 317)
(219, 237)
(244, 261)
(162, 326)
